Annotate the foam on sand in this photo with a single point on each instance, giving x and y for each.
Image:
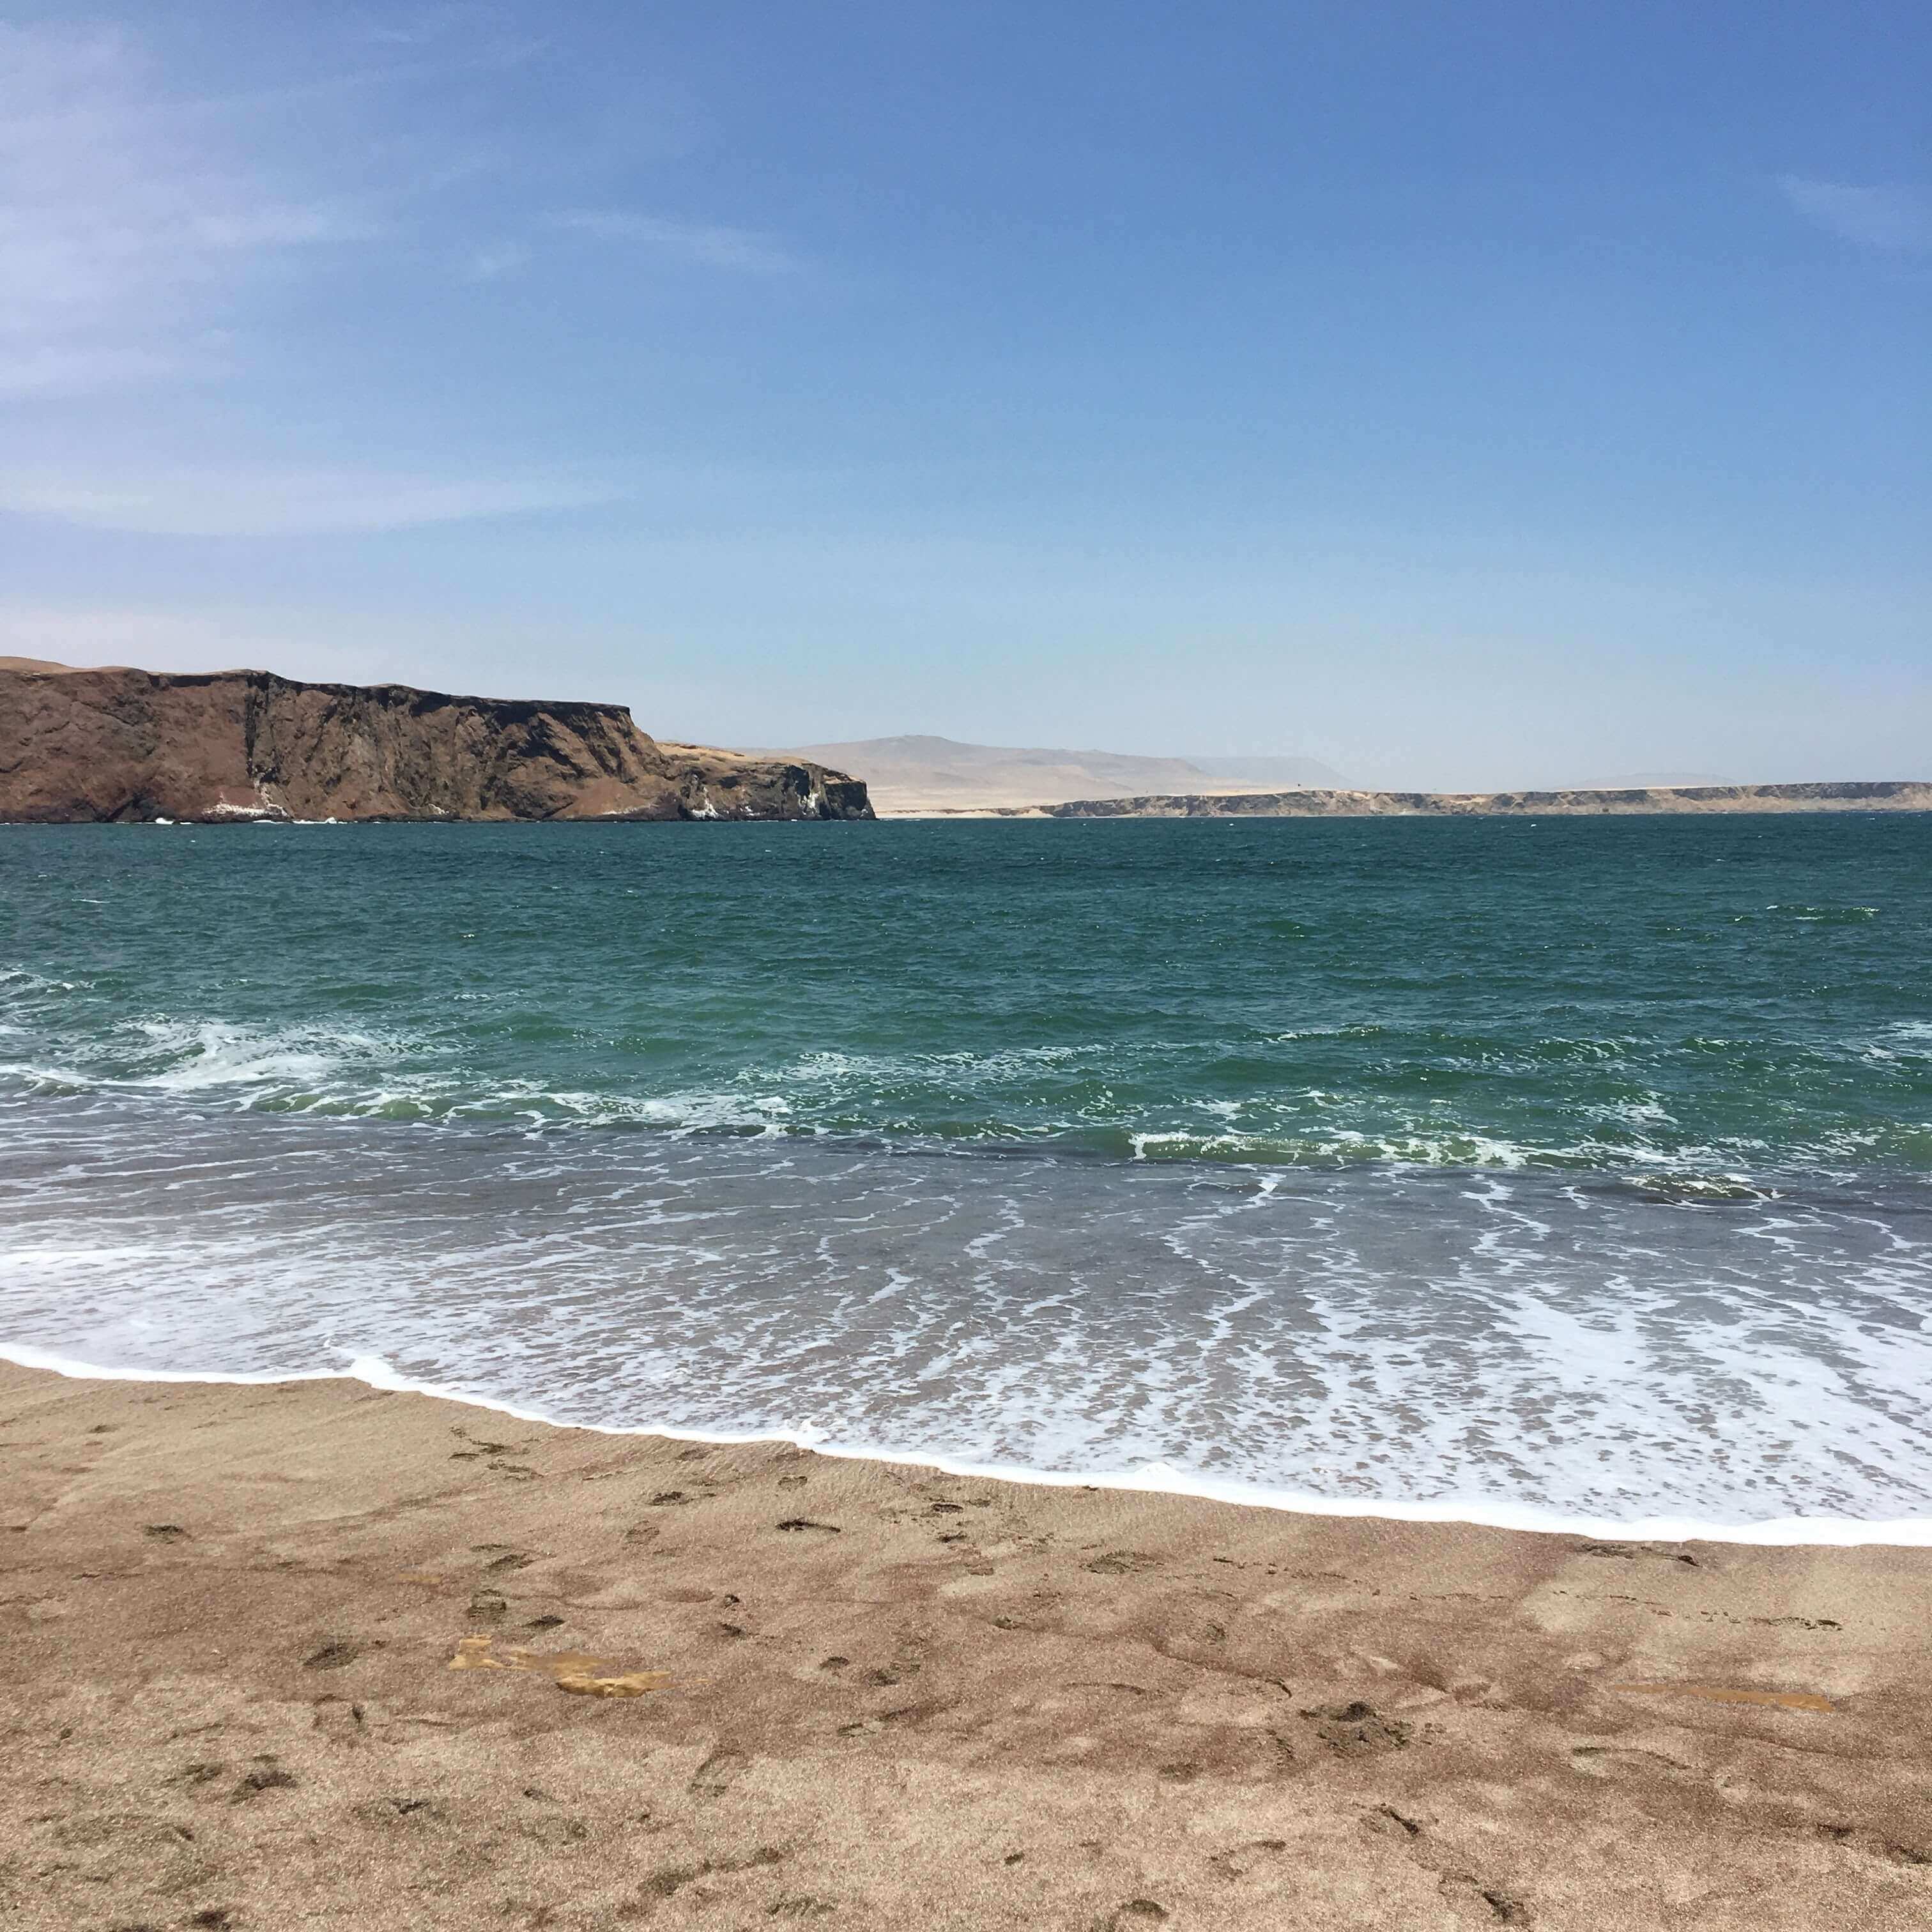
(1156, 1478)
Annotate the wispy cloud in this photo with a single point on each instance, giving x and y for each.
(258, 502)
(735, 248)
(122, 235)
(494, 260)
(1895, 218)
(45, 369)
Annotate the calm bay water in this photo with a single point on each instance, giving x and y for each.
(1581, 1167)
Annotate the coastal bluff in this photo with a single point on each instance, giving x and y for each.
(1845, 795)
(117, 745)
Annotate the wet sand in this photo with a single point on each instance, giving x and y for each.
(310, 1654)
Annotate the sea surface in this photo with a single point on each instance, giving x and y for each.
(1562, 1171)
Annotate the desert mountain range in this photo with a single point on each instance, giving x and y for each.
(915, 775)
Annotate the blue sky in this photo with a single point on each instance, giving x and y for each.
(1496, 393)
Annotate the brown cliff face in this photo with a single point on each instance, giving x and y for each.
(88, 746)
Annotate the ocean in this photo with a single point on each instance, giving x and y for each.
(1566, 1172)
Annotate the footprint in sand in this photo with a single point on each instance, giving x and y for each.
(1356, 1729)
(1784, 1700)
(718, 1773)
(1482, 1903)
(1122, 1563)
(1386, 1820)
(333, 1654)
(1243, 1859)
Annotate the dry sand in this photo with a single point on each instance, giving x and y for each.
(893, 1698)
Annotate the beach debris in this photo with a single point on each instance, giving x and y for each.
(1783, 1700)
(627, 1684)
(803, 1523)
(164, 1532)
(573, 1671)
(1630, 1552)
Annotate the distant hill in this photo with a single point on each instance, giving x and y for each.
(907, 776)
(1307, 802)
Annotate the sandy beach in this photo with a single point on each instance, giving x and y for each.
(307, 1653)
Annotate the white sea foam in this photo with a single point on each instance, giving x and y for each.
(1157, 1478)
(1500, 1346)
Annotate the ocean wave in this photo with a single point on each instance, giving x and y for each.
(364, 1073)
(195, 1055)
(1826, 915)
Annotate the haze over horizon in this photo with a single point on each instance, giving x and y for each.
(1459, 403)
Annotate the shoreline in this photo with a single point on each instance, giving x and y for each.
(308, 1651)
(1152, 1479)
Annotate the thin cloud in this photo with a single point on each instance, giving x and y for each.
(45, 370)
(495, 260)
(733, 248)
(252, 503)
(1895, 218)
(123, 233)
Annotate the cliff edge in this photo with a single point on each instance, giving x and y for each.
(118, 745)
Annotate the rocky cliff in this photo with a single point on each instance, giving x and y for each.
(1876, 795)
(77, 746)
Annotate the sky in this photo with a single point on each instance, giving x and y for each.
(1492, 394)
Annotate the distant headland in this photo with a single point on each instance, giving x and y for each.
(1828, 795)
(120, 746)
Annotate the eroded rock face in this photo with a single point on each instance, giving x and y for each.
(80, 746)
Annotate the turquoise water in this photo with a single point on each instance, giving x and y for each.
(1496, 1162)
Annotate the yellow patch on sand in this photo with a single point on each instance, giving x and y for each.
(1784, 1700)
(574, 1671)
